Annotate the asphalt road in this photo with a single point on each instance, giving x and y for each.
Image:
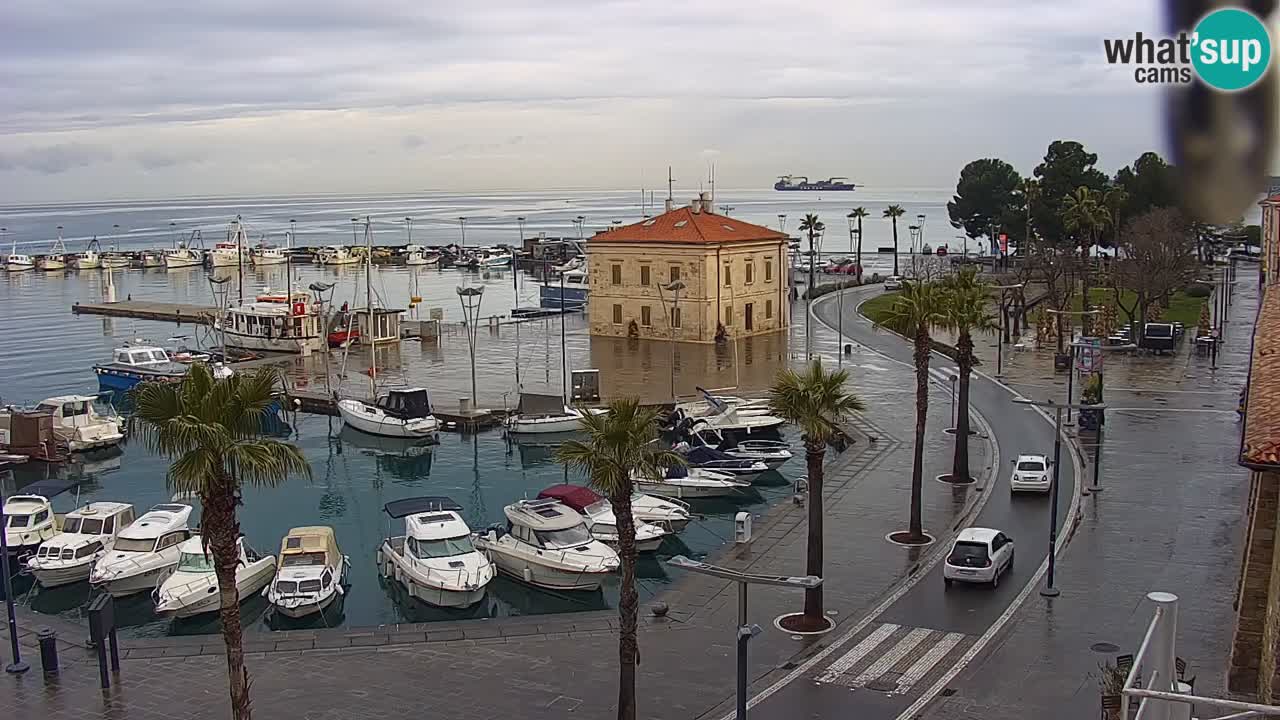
(882, 671)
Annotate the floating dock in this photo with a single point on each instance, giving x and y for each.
(319, 403)
(181, 313)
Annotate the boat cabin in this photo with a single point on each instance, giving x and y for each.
(533, 405)
(408, 404)
(140, 356)
(160, 527)
(547, 523)
(385, 326)
(311, 546)
(86, 530)
(27, 514)
(71, 410)
(433, 527)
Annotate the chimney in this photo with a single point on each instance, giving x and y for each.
(696, 205)
(705, 200)
(668, 205)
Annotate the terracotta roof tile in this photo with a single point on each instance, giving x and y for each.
(683, 226)
(1261, 444)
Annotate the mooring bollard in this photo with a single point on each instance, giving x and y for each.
(102, 632)
(48, 650)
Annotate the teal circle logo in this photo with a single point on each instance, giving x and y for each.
(1231, 49)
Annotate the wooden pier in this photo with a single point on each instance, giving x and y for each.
(180, 313)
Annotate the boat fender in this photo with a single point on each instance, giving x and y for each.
(528, 575)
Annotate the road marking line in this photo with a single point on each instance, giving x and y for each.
(926, 662)
(886, 662)
(849, 659)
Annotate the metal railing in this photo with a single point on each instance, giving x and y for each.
(1160, 696)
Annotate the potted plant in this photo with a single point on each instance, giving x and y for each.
(1090, 420)
(1111, 688)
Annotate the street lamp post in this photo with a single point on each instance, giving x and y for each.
(674, 288)
(808, 337)
(1071, 356)
(470, 298)
(1050, 589)
(745, 631)
(1000, 333)
(954, 421)
(17, 667)
(462, 225)
(578, 222)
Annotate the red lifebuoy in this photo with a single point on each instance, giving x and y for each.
(299, 308)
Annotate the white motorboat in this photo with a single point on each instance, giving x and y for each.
(686, 483)
(274, 322)
(490, 257)
(87, 534)
(268, 255)
(709, 458)
(30, 522)
(537, 414)
(729, 419)
(310, 572)
(668, 513)
(417, 255)
(77, 423)
(435, 560)
(336, 255)
(398, 413)
(548, 545)
(192, 589)
(17, 262)
(711, 405)
(144, 552)
(771, 452)
(600, 518)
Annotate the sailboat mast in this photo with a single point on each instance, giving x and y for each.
(564, 357)
(368, 301)
(240, 257)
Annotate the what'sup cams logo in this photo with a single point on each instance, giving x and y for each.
(1229, 49)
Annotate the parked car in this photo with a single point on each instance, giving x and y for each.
(979, 555)
(1030, 474)
(893, 282)
(848, 267)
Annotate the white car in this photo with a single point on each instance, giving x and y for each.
(1030, 474)
(893, 282)
(979, 555)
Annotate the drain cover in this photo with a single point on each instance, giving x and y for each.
(1104, 647)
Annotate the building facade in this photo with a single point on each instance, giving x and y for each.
(689, 272)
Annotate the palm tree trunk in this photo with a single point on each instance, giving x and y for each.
(895, 245)
(628, 607)
(921, 357)
(813, 454)
(1085, 320)
(220, 529)
(859, 260)
(960, 459)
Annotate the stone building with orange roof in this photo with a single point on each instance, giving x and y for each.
(691, 272)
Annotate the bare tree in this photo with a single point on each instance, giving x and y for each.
(1157, 256)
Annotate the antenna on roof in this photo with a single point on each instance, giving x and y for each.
(713, 182)
(671, 201)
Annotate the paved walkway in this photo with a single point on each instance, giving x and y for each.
(550, 666)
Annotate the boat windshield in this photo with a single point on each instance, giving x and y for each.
(133, 545)
(303, 560)
(19, 521)
(568, 537)
(87, 526)
(447, 547)
(195, 563)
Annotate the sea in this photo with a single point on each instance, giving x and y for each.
(47, 350)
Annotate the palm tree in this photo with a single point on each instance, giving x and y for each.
(859, 213)
(916, 310)
(1084, 214)
(966, 308)
(817, 402)
(212, 430)
(617, 443)
(893, 212)
(814, 227)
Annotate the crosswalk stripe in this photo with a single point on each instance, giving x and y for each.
(849, 659)
(926, 662)
(891, 658)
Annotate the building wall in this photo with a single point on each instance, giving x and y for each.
(1256, 621)
(1270, 241)
(718, 287)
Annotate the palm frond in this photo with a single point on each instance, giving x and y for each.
(918, 306)
(266, 463)
(615, 444)
(814, 400)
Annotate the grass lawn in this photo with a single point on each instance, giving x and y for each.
(1182, 308)
(877, 308)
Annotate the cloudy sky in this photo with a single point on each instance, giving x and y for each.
(138, 98)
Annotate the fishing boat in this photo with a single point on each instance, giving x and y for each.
(310, 572)
(599, 516)
(152, 258)
(336, 255)
(687, 483)
(17, 262)
(76, 422)
(30, 523)
(548, 545)
(89, 259)
(232, 252)
(57, 257)
(567, 292)
(131, 365)
(416, 255)
(115, 259)
(144, 552)
(185, 254)
(192, 589)
(87, 534)
(273, 322)
(264, 254)
(436, 559)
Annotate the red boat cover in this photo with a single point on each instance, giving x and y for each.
(574, 496)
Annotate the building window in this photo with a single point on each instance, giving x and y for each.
(646, 318)
(768, 270)
(617, 274)
(644, 275)
(675, 317)
(675, 273)
(728, 315)
(751, 272)
(728, 275)
(617, 313)
(768, 309)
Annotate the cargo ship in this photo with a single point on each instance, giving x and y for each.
(800, 182)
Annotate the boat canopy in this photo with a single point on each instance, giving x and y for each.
(538, 404)
(575, 496)
(310, 545)
(406, 404)
(705, 454)
(677, 471)
(546, 514)
(157, 521)
(415, 505)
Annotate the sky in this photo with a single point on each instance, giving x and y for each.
(107, 99)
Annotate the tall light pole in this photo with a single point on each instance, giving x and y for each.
(17, 667)
(578, 223)
(745, 631)
(470, 298)
(674, 288)
(1050, 590)
(1000, 332)
(462, 226)
(1071, 356)
(808, 293)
